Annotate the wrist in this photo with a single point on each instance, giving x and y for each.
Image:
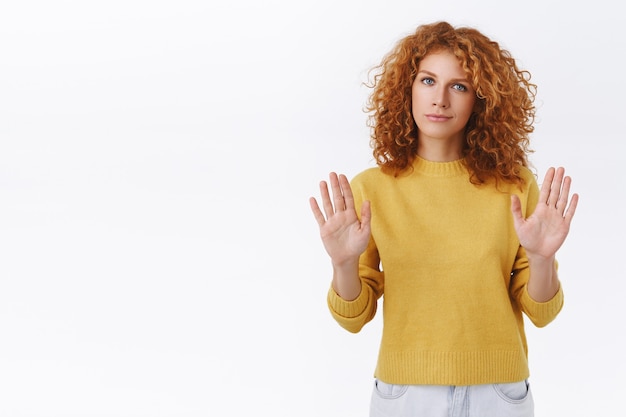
(346, 281)
(348, 264)
(543, 282)
(540, 260)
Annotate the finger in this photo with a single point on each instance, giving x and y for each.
(544, 193)
(317, 213)
(516, 209)
(327, 203)
(561, 204)
(569, 214)
(338, 198)
(555, 187)
(366, 215)
(348, 197)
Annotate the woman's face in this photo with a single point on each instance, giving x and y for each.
(442, 99)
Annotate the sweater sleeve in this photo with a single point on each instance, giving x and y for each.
(353, 315)
(540, 314)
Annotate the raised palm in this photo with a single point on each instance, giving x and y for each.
(343, 234)
(543, 233)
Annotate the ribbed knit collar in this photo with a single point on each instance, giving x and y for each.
(439, 169)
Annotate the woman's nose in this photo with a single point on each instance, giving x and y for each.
(440, 98)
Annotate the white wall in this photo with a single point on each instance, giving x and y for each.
(157, 252)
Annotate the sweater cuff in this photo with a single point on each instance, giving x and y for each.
(348, 309)
(542, 313)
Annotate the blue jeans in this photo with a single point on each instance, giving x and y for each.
(490, 400)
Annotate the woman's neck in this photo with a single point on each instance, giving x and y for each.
(440, 149)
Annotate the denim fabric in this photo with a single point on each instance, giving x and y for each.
(490, 400)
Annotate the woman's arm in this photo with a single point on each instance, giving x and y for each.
(344, 236)
(543, 233)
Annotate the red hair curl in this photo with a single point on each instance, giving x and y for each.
(497, 134)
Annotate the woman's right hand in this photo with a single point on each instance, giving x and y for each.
(344, 236)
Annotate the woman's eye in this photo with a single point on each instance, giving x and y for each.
(428, 81)
(459, 87)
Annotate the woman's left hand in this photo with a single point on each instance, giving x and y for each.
(543, 233)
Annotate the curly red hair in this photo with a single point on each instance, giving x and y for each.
(497, 134)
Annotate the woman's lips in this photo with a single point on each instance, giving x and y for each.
(437, 117)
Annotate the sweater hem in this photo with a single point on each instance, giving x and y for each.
(452, 368)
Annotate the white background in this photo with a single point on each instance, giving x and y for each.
(157, 252)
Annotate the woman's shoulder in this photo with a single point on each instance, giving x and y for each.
(368, 172)
(528, 176)
(371, 175)
(529, 182)
(370, 181)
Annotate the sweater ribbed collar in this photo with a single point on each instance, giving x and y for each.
(439, 169)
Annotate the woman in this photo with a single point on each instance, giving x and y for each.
(451, 227)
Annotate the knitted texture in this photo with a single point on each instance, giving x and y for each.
(445, 258)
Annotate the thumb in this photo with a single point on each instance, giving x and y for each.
(366, 215)
(516, 210)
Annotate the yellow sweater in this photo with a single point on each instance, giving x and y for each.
(446, 256)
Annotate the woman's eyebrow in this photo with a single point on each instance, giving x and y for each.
(432, 74)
